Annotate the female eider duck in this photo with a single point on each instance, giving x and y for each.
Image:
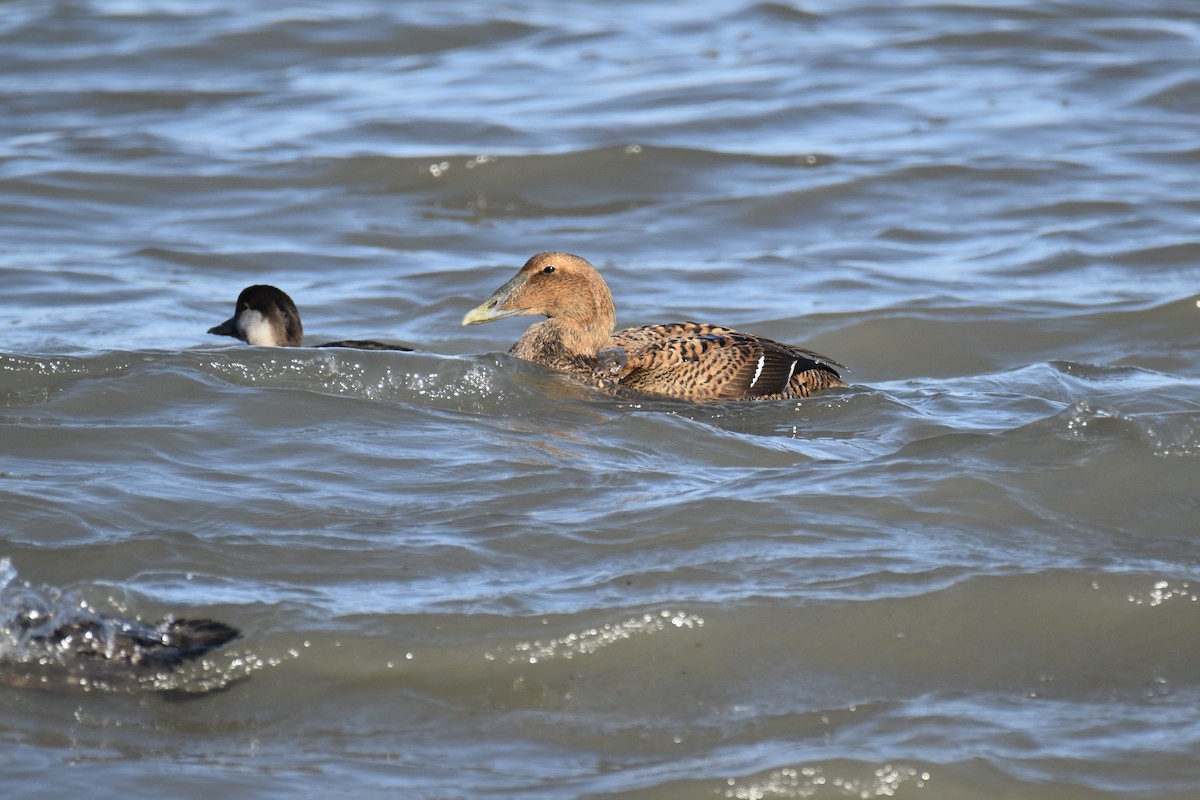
(689, 360)
(266, 316)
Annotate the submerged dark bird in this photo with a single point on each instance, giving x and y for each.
(124, 643)
(265, 315)
(688, 360)
(64, 649)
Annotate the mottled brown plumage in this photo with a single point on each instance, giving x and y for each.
(688, 360)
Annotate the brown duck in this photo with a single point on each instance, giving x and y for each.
(689, 360)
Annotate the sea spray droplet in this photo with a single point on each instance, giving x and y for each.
(592, 639)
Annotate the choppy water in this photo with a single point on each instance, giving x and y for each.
(973, 574)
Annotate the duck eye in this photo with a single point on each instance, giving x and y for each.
(548, 268)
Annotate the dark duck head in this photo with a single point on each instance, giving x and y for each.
(263, 316)
(266, 316)
(687, 360)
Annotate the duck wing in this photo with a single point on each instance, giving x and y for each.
(700, 361)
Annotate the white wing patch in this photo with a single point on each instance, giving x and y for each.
(758, 369)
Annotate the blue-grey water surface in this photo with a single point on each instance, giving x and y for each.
(971, 574)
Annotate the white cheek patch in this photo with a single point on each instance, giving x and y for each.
(255, 328)
(758, 370)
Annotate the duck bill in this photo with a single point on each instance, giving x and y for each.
(226, 328)
(493, 308)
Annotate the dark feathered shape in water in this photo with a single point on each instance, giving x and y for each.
(265, 315)
(88, 650)
(121, 643)
(688, 360)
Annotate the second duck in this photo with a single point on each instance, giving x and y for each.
(265, 315)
